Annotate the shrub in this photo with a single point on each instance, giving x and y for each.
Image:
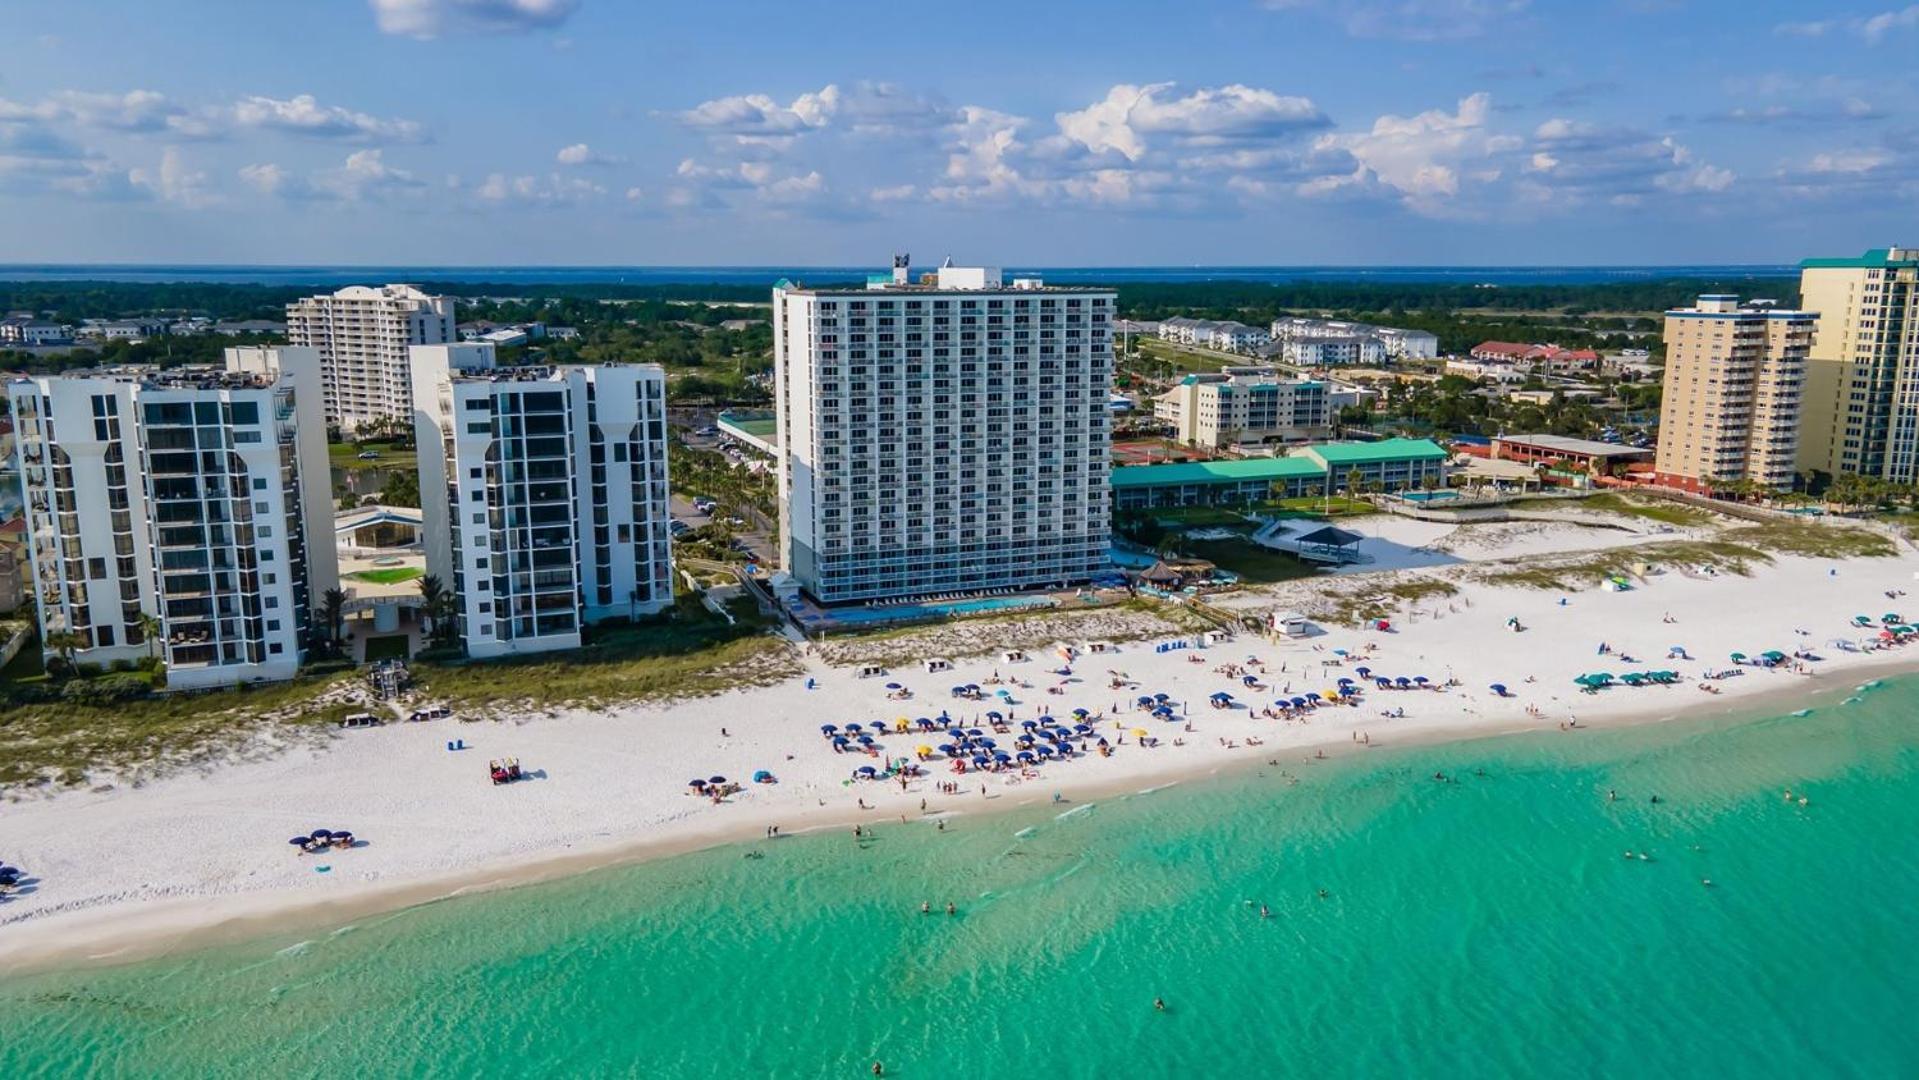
(87, 669)
(107, 690)
(122, 665)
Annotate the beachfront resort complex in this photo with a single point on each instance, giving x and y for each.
(544, 494)
(362, 334)
(1734, 377)
(942, 434)
(181, 515)
(1862, 382)
(1245, 405)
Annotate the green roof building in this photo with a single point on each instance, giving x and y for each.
(1388, 465)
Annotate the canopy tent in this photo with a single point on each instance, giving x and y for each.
(1330, 544)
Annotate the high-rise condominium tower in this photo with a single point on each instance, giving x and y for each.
(1862, 384)
(362, 335)
(195, 502)
(945, 435)
(1730, 408)
(543, 494)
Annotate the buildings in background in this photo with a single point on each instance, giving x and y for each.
(362, 334)
(1582, 457)
(1534, 357)
(1240, 406)
(543, 494)
(1388, 465)
(1730, 409)
(1226, 336)
(944, 435)
(26, 331)
(197, 498)
(1337, 343)
(1862, 371)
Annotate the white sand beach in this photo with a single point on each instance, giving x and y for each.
(138, 869)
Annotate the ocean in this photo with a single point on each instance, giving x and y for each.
(1489, 925)
(766, 275)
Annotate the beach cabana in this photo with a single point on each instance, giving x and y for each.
(1330, 544)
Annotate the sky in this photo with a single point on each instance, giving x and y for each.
(1042, 132)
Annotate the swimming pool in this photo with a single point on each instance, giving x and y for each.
(939, 609)
(1428, 496)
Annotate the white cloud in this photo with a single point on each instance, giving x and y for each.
(365, 176)
(552, 189)
(137, 112)
(1875, 28)
(1129, 115)
(303, 115)
(1814, 29)
(174, 182)
(434, 18)
(1425, 157)
(582, 154)
(760, 115)
(1848, 161)
(1573, 161)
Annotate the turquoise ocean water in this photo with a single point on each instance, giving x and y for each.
(1489, 926)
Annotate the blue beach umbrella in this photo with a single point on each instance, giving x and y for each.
(1500, 689)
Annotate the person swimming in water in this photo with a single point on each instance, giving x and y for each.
(950, 909)
(1265, 912)
(1159, 1004)
(925, 908)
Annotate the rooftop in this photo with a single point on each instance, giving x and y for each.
(1876, 259)
(1367, 453)
(1566, 445)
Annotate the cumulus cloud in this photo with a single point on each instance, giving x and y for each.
(1873, 28)
(174, 181)
(579, 154)
(137, 112)
(1577, 161)
(1130, 116)
(35, 159)
(1425, 158)
(760, 115)
(1410, 20)
(303, 115)
(365, 176)
(552, 189)
(427, 19)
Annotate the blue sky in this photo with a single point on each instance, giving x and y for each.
(1040, 132)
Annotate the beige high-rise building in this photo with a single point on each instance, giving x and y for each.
(363, 334)
(1731, 403)
(1862, 378)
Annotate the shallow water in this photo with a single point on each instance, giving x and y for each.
(1488, 926)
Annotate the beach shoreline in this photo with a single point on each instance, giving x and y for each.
(116, 934)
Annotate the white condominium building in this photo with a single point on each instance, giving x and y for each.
(945, 435)
(1245, 405)
(198, 498)
(543, 495)
(1731, 401)
(363, 335)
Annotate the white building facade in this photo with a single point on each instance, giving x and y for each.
(1250, 407)
(199, 499)
(942, 437)
(363, 334)
(543, 495)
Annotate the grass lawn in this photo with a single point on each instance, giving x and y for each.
(390, 647)
(1662, 512)
(1198, 517)
(392, 576)
(1255, 565)
(390, 455)
(1322, 506)
(688, 653)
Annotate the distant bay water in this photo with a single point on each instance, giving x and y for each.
(240, 274)
(1499, 923)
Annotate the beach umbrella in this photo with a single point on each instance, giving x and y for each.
(1001, 755)
(716, 779)
(1402, 681)
(1312, 696)
(988, 743)
(1082, 712)
(1738, 658)
(1339, 652)
(696, 782)
(1102, 741)
(976, 732)
(1891, 617)
(851, 728)
(946, 748)
(1027, 755)
(981, 760)
(1029, 724)
(1139, 733)
(1421, 679)
(1363, 671)
(1299, 703)
(841, 740)
(1345, 681)
(1162, 697)
(343, 834)
(865, 740)
(1082, 728)
(894, 686)
(865, 770)
(1499, 688)
(1046, 720)
(1773, 654)
(1145, 699)
(1046, 751)
(327, 834)
(828, 729)
(761, 776)
(301, 840)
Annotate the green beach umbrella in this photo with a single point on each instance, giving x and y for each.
(1739, 656)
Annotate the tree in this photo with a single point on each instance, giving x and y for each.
(333, 615)
(437, 604)
(66, 643)
(149, 632)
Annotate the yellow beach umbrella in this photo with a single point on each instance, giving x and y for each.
(1139, 732)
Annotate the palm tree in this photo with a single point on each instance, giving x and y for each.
(66, 643)
(149, 632)
(433, 601)
(333, 614)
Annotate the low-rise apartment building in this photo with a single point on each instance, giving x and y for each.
(1245, 406)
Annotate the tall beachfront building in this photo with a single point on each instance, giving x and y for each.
(1731, 400)
(1862, 384)
(543, 494)
(363, 334)
(198, 498)
(941, 435)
